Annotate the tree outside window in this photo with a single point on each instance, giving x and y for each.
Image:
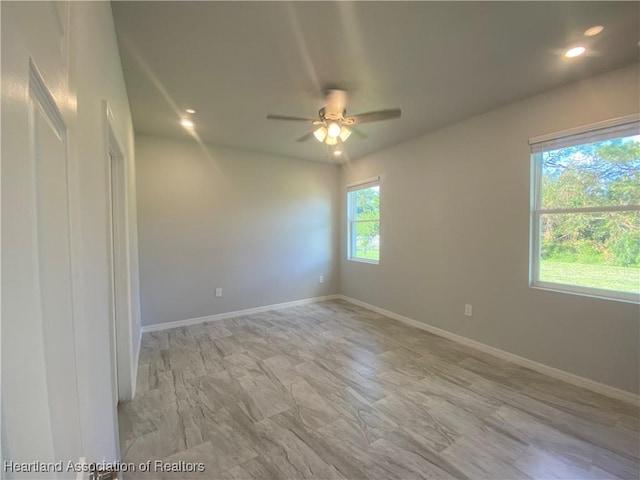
(364, 222)
(587, 215)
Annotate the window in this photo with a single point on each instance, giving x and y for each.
(363, 218)
(586, 210)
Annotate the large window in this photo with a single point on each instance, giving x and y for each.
(586, 210)
(363, 218)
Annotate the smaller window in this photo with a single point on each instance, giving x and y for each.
(363, 219)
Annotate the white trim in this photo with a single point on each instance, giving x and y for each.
(39, 92)
(363, 182)
(364, 260)
(604, 294)
(534, 222)
(134, 372)
(571, 378)
(366, 220)
(611, 208)
(116, 166)
(235, 313)
(635, 117)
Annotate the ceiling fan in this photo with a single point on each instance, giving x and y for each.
(333, 127)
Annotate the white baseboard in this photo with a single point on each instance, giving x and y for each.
(571, 378)
(236, 313)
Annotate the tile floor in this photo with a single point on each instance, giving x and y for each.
(332, 390)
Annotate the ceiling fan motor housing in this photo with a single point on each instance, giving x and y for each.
(327, 115)
(336, 101)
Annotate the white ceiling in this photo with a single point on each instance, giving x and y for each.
(440, 62)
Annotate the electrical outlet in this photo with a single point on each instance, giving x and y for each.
(218, 292)
(468, 310)
(321, 279)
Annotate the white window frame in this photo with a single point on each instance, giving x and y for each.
(627, 125)
(351, 223)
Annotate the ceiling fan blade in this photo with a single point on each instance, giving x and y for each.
(286, 117)
(373, 116)
(305, 137)
(359, 133)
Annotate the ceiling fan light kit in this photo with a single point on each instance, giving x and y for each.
(344, 133)
(333, 120)
(333, 130)
(326, 135)
(320, 134)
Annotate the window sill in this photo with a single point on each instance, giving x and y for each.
(364, 260)
(587, 292)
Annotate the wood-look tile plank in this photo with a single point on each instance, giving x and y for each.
(259, 468)
(281, 369)
(354, 444)
(418, 421)
(614, 439)
(532, 431)
(487, 454)
(407, 462)
(292, 455)
(263, 399)
(363, 417)
(538, 463)
(309, 407)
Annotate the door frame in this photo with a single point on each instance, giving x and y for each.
(120, 261)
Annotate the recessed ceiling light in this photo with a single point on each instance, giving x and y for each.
(190, 110)
(593, 31)
(574, 52)
(186, 123)
(337, 153)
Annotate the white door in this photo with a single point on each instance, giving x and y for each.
(40, 405)
(48, 136)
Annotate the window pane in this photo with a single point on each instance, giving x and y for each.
(596, 174)
(366, 203)
(367, 240)
(596, 250)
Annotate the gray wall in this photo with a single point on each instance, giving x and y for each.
(262, 228)
(455, 230)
